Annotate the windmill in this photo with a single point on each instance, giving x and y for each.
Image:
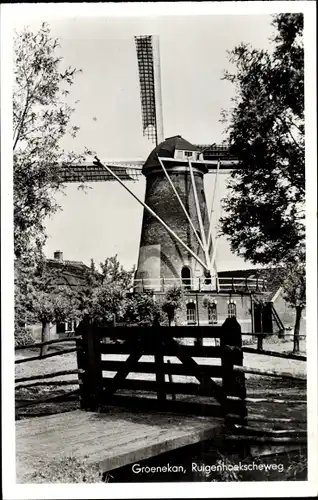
(177, 242)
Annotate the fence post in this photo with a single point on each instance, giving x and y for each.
(90, 357)
(260, 336)
(81, 364)
(159, 365)
(233, 382)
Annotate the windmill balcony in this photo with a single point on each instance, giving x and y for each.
(227, 284)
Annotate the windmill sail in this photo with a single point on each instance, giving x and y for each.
(147, 48)
(90, 172)
(214, 156)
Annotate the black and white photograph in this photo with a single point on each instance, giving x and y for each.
(159, 250)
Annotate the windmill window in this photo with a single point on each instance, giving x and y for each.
(213, 314)
(231, 310)
(191, 313)
(186, 278)
(178, 154)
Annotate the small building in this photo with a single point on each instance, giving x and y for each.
(277, 315)
(250, 295)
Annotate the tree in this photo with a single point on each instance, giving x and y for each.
(41, 119)
(295, 294)
(292, 278)
(47, 301)
(264, 210)
(172, 302)
(105, 298)
(142, 309)
(22, 316)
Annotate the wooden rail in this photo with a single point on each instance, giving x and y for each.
(48, 375)
(179, 332)
(191, 350)
(59, 398)
(45, 356)
(268, 373)
(48, 382)
(213, 371)
(270, 334)
(275, 354)
(41, 379)
(48, 342)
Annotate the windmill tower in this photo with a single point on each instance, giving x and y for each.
(179, 250)
(176, 192)
(177, 244)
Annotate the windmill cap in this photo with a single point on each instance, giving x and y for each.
(167, 149)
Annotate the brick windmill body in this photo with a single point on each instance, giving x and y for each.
(177, 244)
(162, 259)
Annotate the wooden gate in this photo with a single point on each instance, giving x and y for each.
(149, 367)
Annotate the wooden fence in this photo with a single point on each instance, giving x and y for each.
(215, 383)
(217, 387)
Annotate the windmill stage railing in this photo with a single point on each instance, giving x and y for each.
(228, 284)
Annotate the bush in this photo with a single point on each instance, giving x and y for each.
(22, 337)
(67, 470)
(172, 302)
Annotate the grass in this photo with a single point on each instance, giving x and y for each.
(67, 470)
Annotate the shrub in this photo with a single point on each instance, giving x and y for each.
(22, 337)
(172, 302)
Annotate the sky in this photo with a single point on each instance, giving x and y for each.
(105, 220)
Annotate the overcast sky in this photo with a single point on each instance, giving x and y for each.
(106, 219)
